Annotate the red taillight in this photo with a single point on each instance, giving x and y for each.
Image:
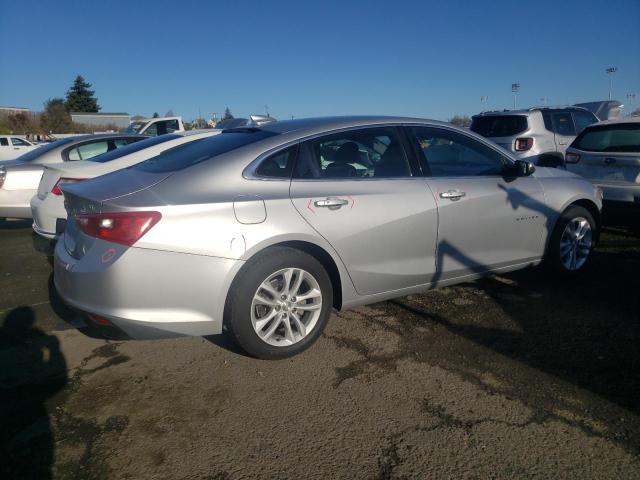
(105, 322)
(56, 188)
(523, 143)
(125, 228)
(571, 157)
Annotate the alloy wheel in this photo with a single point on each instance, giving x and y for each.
(575, 243)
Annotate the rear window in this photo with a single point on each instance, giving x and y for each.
(132, 148)
(623, 137)
(499, 125)
(189, 154)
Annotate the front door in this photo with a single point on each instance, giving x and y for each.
(486, 220)
(357, 189)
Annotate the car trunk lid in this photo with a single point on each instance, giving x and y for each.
(609, 167)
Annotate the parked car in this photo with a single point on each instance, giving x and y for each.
(153, 127)
(19, 178)
(47, 206)
(608, 154)
(12, 146)
(539, 135)
(265, 229)
(603, 109)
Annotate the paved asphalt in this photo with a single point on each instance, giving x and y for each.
(516, 376)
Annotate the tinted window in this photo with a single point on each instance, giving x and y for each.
(623, 137)
(191, 153)
(278, 165)
(563, 124)
(451, 154)
(4, 142)
(132, 148)
(499, 125)
(370, 152)
(583, 120)
(37, 152)
(548, 123)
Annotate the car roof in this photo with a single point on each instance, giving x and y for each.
(527, 111)
(304, 126)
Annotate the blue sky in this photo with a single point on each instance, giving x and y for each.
(419, 58)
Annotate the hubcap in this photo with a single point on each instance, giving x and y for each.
(575, 243)
(286, 307)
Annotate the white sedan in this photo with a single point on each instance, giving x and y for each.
(47, 206)
(12, 146)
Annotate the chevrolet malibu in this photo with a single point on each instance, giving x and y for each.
(261, 231)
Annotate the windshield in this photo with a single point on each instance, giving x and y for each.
(499, 125)
(132, 148)
(184, 156)
(38, 152)
(620, 137)
(134, 127)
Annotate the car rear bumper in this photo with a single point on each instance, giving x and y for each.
(45, 216)
(15, 203)
(619, 194)
(146, 293)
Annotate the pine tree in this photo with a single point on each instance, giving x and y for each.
(227, 114)
(80, 98)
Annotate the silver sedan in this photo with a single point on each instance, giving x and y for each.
(263, 230)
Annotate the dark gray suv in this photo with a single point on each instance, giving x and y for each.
(539, 135)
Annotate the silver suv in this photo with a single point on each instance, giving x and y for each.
(539, 135)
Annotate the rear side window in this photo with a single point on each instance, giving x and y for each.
(18, 142)
(38, 152)
(132, 148)
(564, 124)
(88, 150)
(4, 142)
(624, 137)
(499, 125)
(192, 153)
(278, 165)
(362, 153)
(583, 120)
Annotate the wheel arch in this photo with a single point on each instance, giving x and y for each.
(593, 209)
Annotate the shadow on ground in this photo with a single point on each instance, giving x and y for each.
(32, 371)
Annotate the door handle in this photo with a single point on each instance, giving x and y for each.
(609, 161)
(453, 195)
(332, 203)
(562, 143)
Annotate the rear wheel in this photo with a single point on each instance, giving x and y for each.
(279, 304)
(572, 241)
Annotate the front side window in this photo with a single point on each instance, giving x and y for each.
(18, 142)
(365, 153)
(624, 137)
(278, 165)
(152, 131)
(451, 154)
(564, 124)
(88, 150)
(583, 120)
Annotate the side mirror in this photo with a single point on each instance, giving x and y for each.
(522, 168)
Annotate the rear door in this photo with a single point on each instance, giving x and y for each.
(358, 190)
(486, 220)
(564, 130)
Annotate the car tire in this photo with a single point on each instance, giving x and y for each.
(264, 315)
(572, 242)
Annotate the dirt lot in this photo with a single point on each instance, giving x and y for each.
(515, 376)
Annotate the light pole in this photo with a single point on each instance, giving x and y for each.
(544, 100)
(610, 71)
(631, 97)
(515, 88)
(483, 101)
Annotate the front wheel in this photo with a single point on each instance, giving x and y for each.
(279, 304)
(572, 241)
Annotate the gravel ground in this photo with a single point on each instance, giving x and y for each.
(516, 376)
